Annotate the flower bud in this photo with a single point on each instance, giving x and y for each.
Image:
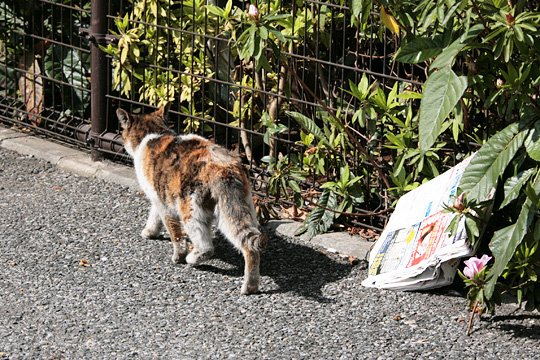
(510, 19)
(253, 12)
(459, 204)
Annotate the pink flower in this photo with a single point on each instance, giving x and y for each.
(253, 12)
(474, 265)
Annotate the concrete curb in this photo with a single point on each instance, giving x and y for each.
(72, 160)
(341, 243)
(79, 162)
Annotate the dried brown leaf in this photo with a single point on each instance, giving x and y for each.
(353, 260)
(31, 88)
(368, 234)
(293, 213)
(264, 210)
(84, 262)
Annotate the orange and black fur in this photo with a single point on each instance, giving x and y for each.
(191, 182)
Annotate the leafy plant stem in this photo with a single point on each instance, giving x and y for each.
(243, 133)
(346, 129)
(275, 104)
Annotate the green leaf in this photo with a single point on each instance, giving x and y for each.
(278, 35)
(407, 95)
(531, 194)
(308, 125)
(228, 8)
(328, 185)
(243, 37)
(263, 32)
(498, 3)
(471, 227)
(418, 50)
(294, 186)
(508, 49)
(472, 32)
(258, 47)
(532, 144)
(513, 185)
(275, 17)
(247, 41)
(450, 13)
(442, 91)
(70, 69)
(320, 220)
(355, 91)
(250, 45)
(345, 173)
(484, 170)
(124, 54)
(215, 10)
(504, 243)
(446, 58)
(398, 141)
(356, 6)
(361, 10)
(536, 232)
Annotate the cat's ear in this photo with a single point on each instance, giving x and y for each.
(123, 117)
(163, 111)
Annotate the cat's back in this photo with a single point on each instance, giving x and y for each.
(180, 159)
(172, 149)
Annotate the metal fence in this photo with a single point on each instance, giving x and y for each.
(56, 81)
(43, 67)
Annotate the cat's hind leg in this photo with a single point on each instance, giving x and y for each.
(200, 234)
(197, 219)
(252, 260)
(178, 239)
(153, 224)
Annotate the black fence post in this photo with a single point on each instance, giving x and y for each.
(98, 82)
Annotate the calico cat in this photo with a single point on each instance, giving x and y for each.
(191, 182)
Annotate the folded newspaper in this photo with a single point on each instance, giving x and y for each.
(415, 252)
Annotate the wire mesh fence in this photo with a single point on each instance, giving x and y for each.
(44, 67)
(238, 78)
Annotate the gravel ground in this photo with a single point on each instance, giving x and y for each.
(77, 281)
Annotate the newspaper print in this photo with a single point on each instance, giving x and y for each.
(415, 251)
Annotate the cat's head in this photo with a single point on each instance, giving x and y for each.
(136, 127)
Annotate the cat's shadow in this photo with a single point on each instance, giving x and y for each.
(294, 268)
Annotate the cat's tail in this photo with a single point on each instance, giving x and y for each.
(236, 216)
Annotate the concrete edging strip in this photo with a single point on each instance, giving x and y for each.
(66, 158)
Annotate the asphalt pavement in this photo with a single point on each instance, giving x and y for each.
(78, 282)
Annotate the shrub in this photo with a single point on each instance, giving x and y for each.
(482, 64)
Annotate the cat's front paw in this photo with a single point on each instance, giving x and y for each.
(178, 257)
(149, 233)
(248, 289)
